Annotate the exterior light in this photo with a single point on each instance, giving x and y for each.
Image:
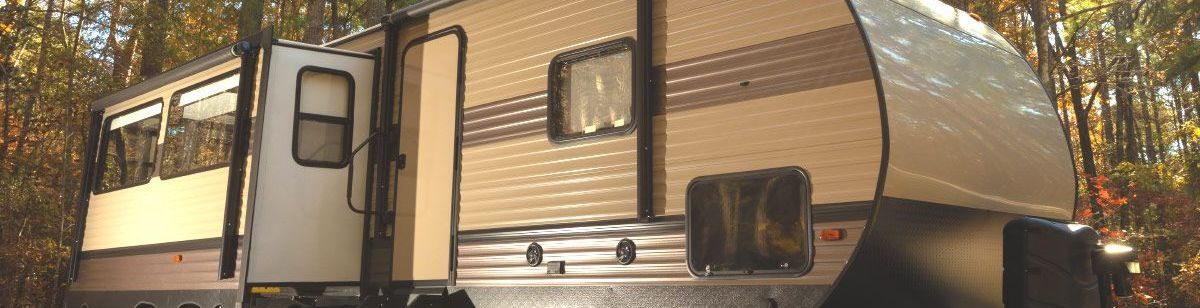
(1117, 248)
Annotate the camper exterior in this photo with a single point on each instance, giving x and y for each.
(544, 153)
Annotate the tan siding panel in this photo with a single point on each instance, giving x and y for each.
(177, 209)
(832, 132)
(689, 29)
(661, 257)
(529, 180)
(510, 43)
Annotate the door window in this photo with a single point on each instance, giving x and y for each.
(324, 105)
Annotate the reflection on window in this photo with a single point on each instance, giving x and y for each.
(323, 105)
(592, 91)
(749, 223)
(200, 127)
(130, 139)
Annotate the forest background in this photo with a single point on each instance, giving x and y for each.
(1124, 74)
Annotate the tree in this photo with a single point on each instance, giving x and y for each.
(250, 17)
(154, 49)
(314, 18)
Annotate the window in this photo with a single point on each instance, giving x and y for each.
(200, 127)
(324, 103)
(128, 149)
(755, 222)
(591, 92)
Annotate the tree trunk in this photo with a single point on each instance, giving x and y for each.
(1045, 64)
(1145, 95)
(1126, 122)
(314, 21)
(64, 164)
(9, 45)
(1082, 126)
(123, 63)
(39, 79)
(153, 49)
(250, 17)
(1106, 113)
(1178, 118)
(110, 43)
(375, 10)
(338, 24)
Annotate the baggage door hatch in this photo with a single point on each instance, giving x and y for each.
(316, 108)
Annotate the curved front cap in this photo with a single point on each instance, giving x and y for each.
(969, 124)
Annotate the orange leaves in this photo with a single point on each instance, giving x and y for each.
(1106, 196)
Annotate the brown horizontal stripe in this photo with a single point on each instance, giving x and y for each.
(809, 61)
(155, 270)
(814, 60)
(520, 116)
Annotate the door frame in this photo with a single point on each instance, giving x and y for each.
(397, 98)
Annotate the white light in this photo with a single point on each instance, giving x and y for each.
(208, 90)
(140, 114)
(1075, 227)
(1133, 267)
(1117, 248)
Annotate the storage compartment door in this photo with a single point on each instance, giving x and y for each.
(317, 107)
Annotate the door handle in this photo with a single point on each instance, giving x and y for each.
(350, 174)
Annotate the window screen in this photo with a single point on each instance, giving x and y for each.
(591, 91)
(324, 102)
(749, 223)
(130, 141)
(200, 127)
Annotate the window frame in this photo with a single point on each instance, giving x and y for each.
(175, 96)
(101, 163)
(806, 213)
(554, 105)
(348, 121)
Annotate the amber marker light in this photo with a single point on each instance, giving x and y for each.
(177, 258)
(832, 234)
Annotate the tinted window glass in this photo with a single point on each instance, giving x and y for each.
(592, 91)
(130, 141)
(749, 223)
(200, 127)
(324, 100)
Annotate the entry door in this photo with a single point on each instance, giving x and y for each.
(317, 107)
(430, 132)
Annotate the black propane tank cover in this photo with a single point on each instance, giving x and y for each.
(533, 254)
(1048, 263)
(626, 251)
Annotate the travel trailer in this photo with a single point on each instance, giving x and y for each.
(637, 153)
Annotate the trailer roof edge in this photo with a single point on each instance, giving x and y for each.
(353, 36)
(417, 10)
(210, 59)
